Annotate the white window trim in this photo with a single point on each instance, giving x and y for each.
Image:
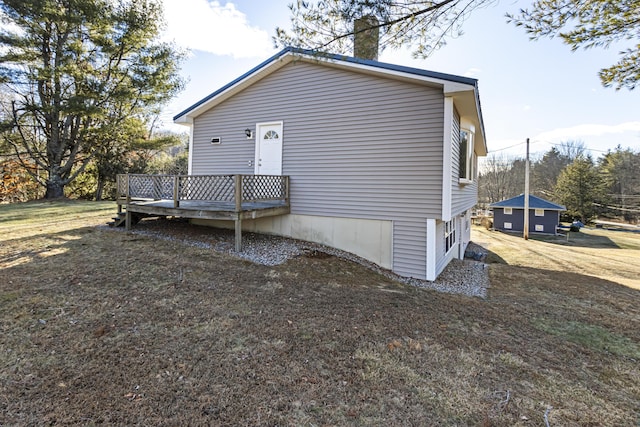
(470, 156)
(508, 226)
(450, 237)
(539, 227)
(539, 212)
(508, 211)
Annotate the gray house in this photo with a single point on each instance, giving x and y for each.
(381, 159)
(544, 216)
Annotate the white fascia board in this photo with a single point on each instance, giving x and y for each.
(184, 120)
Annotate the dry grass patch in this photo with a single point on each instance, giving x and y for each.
(609, 255)
(103, 326)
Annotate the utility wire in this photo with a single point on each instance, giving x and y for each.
(560, 144)
(506, 148)
(555, 144)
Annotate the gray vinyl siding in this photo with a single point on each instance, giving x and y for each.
(409, 249)
(463, 197)
(354, 145)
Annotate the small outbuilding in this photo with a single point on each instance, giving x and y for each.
(544, 216)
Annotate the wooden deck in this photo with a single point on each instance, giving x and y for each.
(220, 197)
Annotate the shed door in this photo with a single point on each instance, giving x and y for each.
(269, 148)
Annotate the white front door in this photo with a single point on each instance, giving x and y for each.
(269, 148)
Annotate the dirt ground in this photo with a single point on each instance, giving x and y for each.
(107, 327)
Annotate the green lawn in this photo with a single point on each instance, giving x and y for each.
(103, 326)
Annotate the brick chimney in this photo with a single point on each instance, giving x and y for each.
(365, 38)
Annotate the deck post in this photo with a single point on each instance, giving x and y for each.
(238, 199)
(238, 191)
(127, 192)
(176, 191)
(127, 221)
(119, 193)
(238, 234)
(286, 189)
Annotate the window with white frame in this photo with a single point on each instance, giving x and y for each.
(539, 212)
(466, 170)
(508, 211)
(508, 226)
(449, 235)
(539, 227)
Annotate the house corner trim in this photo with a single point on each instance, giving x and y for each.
(447, 158)
(431, 249)
(190, 154)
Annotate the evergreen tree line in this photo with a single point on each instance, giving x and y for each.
(82, 84)
(606, 187)
(165, 153)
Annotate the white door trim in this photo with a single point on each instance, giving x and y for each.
(258, 140)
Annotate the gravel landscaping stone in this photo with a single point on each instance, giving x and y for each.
(468, 277)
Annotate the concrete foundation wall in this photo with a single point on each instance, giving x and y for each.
(369, 239)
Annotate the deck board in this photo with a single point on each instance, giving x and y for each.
(209, 209)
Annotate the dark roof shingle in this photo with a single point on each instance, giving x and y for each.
(534, 203)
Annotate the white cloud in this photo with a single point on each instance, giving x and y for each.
(472, 72)
(211, 27)
(587, 130)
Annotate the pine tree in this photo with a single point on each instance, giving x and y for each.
(588, 24)
(579, 186)
(328, 25)
(76, 69)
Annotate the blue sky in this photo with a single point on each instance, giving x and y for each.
(538, 90)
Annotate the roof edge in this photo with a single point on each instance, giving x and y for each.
(517, 202)
(230, 84)
(180, 117)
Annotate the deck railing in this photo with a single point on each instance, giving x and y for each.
(213, 188)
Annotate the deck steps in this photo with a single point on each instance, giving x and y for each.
(121, 219)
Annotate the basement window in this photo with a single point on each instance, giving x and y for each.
(508, 226)
(540, 227)
(449, 235)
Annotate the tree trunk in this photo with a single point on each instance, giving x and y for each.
(99, 189)
(55, 188)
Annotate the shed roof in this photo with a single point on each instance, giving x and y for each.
(534, 203)
(464, 90)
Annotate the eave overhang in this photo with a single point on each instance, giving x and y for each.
(463, 90)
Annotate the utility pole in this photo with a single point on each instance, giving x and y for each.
(526, 195)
